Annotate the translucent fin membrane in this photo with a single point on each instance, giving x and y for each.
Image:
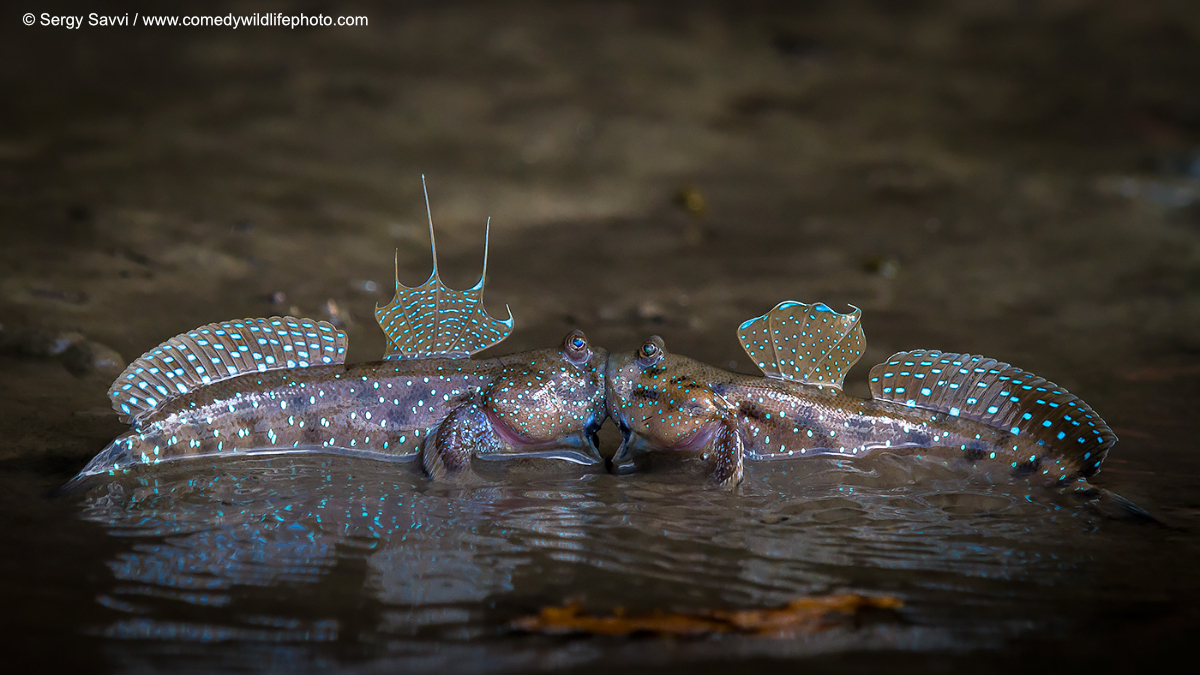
(998, 395)
(811, 344)
(218, 352)
(432, 320)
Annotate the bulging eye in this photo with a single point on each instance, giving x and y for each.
(576, 346)
(651, 351)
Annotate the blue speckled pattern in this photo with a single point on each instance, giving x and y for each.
(433, 320)
(971, 407)
(811, 344)
(219, 351)
(278, 385)
(996, 394)
(546, 403)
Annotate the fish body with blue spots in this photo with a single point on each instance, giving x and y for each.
(670, 406)
(280, 384)
(546, 403)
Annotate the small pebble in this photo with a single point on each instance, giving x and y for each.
(690, 198)
(337, 316)
(885, 266)
(650, 311)
(85, 357)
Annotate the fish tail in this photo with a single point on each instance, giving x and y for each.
(1110, 504)
(153, 445)
(1000, 396)
(234, 436)
(123, 452)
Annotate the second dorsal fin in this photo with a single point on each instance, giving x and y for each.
(432, 320)
(999, 395)
(810, 344)
(219, 351)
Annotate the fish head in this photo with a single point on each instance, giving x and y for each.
(550, 403)
(662, 404)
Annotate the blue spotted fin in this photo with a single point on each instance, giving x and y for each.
(998, 395)
(810, 344)
(432, 320)
(219, 351)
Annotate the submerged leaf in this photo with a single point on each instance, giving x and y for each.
(803, 615)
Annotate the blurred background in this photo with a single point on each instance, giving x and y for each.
(1017, 179)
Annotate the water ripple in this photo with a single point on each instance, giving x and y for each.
(399, 559)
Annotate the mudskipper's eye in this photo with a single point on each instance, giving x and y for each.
(651, 351)
(575, 345)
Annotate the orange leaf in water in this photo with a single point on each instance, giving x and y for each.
(804, 615)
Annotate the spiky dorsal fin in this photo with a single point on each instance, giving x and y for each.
(810, 344)
(432, 320)
(219, 351)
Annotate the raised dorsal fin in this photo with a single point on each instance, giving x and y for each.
(1001, 396)
(219, 351)
(432, 320)
(810, 344)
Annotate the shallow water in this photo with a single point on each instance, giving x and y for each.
(1000, 178)
(308, 562)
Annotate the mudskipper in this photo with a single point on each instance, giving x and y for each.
(978, 408)
(280, 384)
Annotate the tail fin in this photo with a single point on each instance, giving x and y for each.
(117, 455)
(1110, 504)
(998, 395)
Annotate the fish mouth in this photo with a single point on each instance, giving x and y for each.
(631, 445)
(635, 447)
(581, 448)
(631, 441)
(592, 433)
(688, 459)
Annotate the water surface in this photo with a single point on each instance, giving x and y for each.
(316, 561)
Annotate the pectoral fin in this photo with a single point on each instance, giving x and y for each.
(466, 431)
(728, 453)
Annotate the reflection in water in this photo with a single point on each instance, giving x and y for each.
(374, 562)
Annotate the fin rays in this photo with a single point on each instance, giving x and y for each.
(220, 351)
(433, 320)
(998, 395)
